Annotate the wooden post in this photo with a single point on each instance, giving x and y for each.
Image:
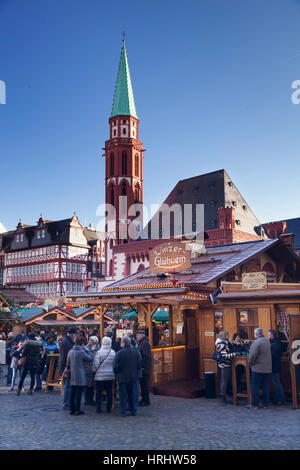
(149, 324)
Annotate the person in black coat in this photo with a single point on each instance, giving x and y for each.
(66, 346)
(145, 350)
(127, 366)
(276, 364)
(32, 353)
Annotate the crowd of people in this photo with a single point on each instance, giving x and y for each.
(119, 366)
(264, 356)
(90, 366)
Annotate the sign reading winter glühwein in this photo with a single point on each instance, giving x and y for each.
(256, 280)
(168, 257)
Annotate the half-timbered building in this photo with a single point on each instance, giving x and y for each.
(52, 257)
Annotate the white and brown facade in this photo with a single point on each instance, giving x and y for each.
(51, 258)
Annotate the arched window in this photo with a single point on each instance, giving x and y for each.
(110, 268)
(136, 165)
(124, 201)
(140, 268)
(112, 164)
(112, 196)
(124, 163)
(136, 193)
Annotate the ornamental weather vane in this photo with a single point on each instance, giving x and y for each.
(124, 36)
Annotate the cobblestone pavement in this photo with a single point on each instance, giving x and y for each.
(37, 422)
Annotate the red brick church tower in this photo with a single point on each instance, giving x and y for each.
(123, 164)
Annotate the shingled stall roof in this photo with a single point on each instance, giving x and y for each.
(18, 295)
(217, 262)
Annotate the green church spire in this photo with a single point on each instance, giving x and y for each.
(123, 99)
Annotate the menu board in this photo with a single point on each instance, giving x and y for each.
(157, 365)
(168, 361)
(141, 319)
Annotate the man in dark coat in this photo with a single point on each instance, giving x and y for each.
(66, 345)
(276, 363)
(127, 366)
(145, 351)
(32, 354)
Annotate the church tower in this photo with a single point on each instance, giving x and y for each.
(123, 164)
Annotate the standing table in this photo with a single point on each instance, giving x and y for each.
(237, 361)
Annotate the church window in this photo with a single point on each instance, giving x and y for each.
(136, 170)
(112, 197)
(112, 164)
(124, 163)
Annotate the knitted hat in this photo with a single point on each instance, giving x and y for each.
(94, 338)
(141, 332)
(106, 341)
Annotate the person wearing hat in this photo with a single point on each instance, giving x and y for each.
(66, 345)
(104, 374)
(145, 350)
(93, 347)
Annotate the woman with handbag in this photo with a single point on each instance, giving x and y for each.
(104, 374)
(93, 346)
(77, 358)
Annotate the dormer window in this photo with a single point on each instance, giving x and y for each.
(43, 233)
(21, 237)
(38, 235)
(18, 238)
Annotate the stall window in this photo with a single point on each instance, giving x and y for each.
(247, 322)
(282, 329)
(218, 322)
(161, 331)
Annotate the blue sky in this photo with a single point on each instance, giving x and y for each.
(212, 84)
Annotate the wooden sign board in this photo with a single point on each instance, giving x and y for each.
(253, 281)
(122, 332)
(168, 257)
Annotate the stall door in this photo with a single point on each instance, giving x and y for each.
(206, 337)
(192, 344)
(294, 336)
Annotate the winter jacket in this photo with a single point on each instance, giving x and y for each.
(88, 365)
(2, 352)
(223, 348)
(276, 355)
(77, 358)
(236, 347)
(8, 348)
(32, 351)
(66, 345)
(16, 355)
(260, 358)
(105, 356)
(127, 364)
(145, 350)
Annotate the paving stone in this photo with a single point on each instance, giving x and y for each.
(38, 422)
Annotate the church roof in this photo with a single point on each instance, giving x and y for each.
(123, 104)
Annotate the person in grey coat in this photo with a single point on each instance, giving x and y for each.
(104, 374)
(76, 362)
(260, 361)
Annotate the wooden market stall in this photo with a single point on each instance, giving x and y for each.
(213, 294)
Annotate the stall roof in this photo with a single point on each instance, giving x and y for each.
(17, 295)
(217, 262)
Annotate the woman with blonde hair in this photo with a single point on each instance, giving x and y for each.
(225, 357)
